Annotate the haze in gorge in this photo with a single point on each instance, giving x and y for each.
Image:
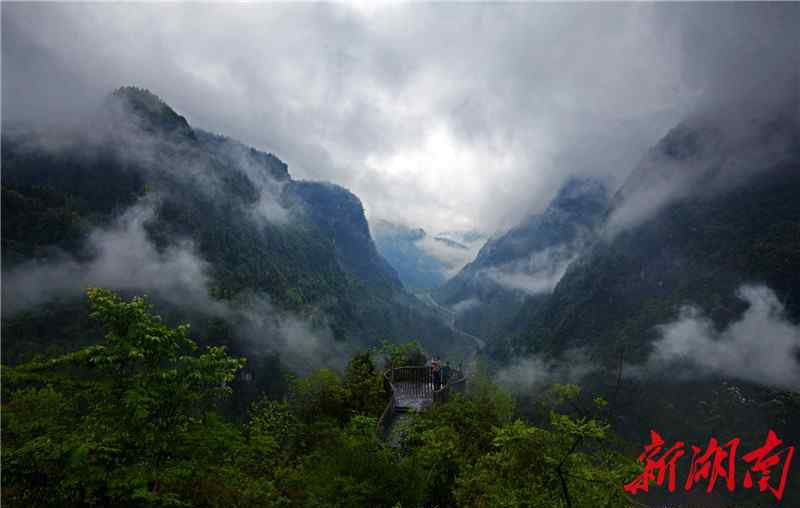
(399, 254)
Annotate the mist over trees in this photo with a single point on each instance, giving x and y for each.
(591, 210)
(134, 421)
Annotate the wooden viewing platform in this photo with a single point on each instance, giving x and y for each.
(411, 389)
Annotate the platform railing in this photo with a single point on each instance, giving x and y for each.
(416, 383)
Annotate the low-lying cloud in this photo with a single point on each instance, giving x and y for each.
(537, 274)
(761, 347)
(465, 305)
(124, 259)
(454, 256)
(535, 372)
(269, 207)
(304, 342)
(714, 151)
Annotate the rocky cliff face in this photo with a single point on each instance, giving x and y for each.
(339, 213)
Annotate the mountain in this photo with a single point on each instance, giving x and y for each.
(400, 246)
(423, 261)
(524, 264)
(339, 213)
(710, 211)
(135, 199)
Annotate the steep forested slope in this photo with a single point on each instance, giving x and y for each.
(711, 207)
(525, 263)
(685, 309)
(253, 246)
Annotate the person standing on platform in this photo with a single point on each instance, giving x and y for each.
(445, 373)
(436, 372)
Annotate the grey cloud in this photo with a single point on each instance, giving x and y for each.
(465, 305)
(454, 257)
(160, 157)
(710, 154)
(304, 341)
(658, 182)
(534, 372)
(269, 206)
(761, 347)
(124, 259)
(538, 273)
(465, 115)
(745, 66)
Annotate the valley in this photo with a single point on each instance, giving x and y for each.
(400, 255)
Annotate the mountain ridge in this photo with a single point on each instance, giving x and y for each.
(524, 263)
(724, 218)
(304, 246)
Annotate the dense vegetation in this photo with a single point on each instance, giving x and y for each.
(303, 246)
(699, 250)
(109, 405)
(737, 224)
(135, 421)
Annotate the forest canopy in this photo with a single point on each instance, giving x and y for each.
(137, 420)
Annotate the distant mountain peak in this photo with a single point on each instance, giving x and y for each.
(712, 151)
(148, 111)
(580, 192)
(526, 261)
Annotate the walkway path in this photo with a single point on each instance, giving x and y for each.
(412, 391)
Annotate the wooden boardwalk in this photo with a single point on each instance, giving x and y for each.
(411, 390)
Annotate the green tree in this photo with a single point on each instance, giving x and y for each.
(115, 423)
(365, 386)
(358, 469)
(570, 463)
(401, 355)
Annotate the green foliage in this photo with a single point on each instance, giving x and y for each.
(357, 469)
(322, 394)
(401, 355)
(133, 421)
(365, 384)
(447, 438)
(320, 261)
(522, 467)
(114, 421)
(326, 394)
(699, 250)
(476, 454)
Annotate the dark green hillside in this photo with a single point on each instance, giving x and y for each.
(697, 251)
(310, 252)
(531, 250)
(735, 221)
(340, 215)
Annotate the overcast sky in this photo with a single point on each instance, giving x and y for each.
(446, 116)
